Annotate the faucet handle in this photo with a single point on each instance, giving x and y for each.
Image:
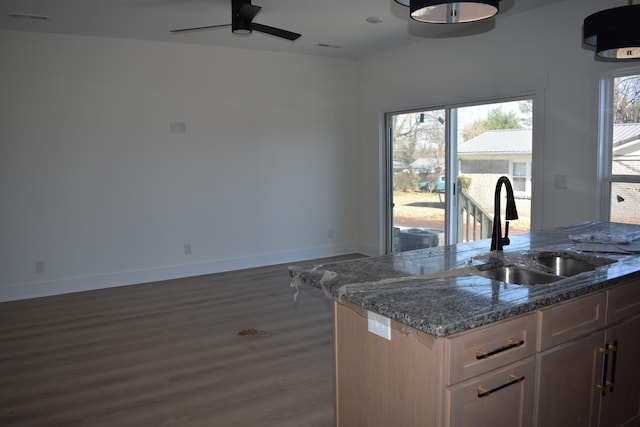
(505, 239)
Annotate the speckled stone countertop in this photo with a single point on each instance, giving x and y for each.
(438, 291)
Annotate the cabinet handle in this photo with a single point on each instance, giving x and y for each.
(512, 380)
(614, 352)
(605, 366)
(510, 344)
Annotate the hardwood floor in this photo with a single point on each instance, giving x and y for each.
(169, 354)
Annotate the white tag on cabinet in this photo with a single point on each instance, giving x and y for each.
(379, 325)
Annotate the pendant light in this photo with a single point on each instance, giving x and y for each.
(443, 12)
(615, 33)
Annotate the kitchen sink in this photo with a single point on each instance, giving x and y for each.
(541, 267)
(518, 275)
(567, 264)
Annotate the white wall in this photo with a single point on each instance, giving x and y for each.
(536, 53)
(93, 183)
(278, 150)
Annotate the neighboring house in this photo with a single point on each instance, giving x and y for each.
(492, 154)
(422, 165)
(508, 152)
(625, 158)
(626, 149)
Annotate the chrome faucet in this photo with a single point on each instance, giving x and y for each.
(497, 241)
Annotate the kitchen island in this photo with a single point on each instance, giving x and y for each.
(422, 338)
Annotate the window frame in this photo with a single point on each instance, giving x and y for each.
(526, 177)
(606, 120)
(451, 142)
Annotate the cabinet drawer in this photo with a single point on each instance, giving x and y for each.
(503, 397)
(623, 302)
(482, 350)
(565, 321)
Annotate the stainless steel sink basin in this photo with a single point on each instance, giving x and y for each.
(568, 264)
(541, 267)
(518, 275)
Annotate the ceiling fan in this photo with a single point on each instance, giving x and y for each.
(242, 14)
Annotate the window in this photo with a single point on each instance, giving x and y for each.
(442, 168)
(519, 176)
(620, 146)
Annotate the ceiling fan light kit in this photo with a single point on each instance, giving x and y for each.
(615, 33)
(441, 12)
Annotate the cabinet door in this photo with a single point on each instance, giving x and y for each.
(503, 397)
(623, 302)
(568, 376)
(622, 402)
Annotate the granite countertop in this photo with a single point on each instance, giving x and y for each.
(438, 291)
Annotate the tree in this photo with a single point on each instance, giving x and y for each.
(418, 135)
(626, 99)
(496, 119)
(526, 110)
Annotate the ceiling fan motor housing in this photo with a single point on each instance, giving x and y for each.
(242, 13)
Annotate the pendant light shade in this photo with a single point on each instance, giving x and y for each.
(442, 12)
(615, 33)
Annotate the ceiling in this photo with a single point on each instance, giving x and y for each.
(329, 27)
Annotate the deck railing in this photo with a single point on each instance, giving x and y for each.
(474, 222)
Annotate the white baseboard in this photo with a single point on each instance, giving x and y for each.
(12, 292)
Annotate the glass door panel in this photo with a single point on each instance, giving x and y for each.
(486, 141)
(494, 140)
(417, 179)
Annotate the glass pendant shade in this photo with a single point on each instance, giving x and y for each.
(615, 33)
(440, 12)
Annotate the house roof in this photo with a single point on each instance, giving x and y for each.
(517, 141)
(624, 133)
(499, 141)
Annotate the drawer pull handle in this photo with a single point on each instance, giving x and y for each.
(512, 380)
(608, 384)
(510, 344)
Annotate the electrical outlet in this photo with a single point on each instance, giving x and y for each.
(330, 233)
(177, 127)
(560, 182)
(379, 325)
(40, 267)
(187, 249)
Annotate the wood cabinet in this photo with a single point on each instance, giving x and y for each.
(545, 368)
(502, 397)
(588, 360)
(568, 376)
(620, 398)
(415, 379)
(381, 382)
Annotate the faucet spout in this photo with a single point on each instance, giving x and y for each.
(511, 213)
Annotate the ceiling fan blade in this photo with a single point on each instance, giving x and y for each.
(275, 31)
(208, 27)
(247, 12)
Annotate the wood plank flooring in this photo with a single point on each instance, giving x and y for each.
(169, 354)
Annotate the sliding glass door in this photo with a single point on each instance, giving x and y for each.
(443, 165)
